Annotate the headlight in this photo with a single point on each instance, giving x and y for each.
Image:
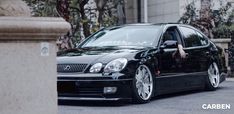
(115, 65)
(96, 68)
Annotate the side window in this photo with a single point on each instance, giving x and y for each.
(203, 40)
(171, 34)
(190, 37)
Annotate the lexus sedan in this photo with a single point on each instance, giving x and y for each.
(139, 61)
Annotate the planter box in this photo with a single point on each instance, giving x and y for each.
(223, 43)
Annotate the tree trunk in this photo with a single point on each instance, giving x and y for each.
(231, 55)
(205, 9)
(85, 24)
(100, 4)
(121, 12)
(206, 17)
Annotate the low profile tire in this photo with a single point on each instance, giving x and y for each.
(143, 85)
(213, 78)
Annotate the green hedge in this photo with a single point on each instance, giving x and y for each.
(223, 31)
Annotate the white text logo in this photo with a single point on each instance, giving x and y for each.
(216, 106)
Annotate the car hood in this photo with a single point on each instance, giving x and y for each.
(92, 55)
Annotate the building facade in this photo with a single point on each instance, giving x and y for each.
(163, 11)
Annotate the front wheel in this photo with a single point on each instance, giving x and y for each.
(213, 77)
(143, 85)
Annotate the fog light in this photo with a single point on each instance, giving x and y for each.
(109, 90)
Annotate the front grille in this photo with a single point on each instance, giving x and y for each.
(66, 68)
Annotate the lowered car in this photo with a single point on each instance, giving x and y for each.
(139, 61)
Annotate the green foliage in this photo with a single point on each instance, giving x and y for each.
(190, 15)
(226, 28)
(85, 16)
(215, 23)
(223, 31)
(42, 8)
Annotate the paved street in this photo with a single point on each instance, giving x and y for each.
(180, 103)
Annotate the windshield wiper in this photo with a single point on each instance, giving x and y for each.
(99, 47)
(66, 52)
(115, 47)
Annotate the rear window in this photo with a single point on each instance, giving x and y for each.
(202, 38)
(191, 38)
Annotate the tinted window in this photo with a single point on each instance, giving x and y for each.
(203, 40)
(190, 37)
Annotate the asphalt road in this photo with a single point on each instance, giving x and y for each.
(179, 103)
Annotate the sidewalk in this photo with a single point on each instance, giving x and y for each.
(230, 79)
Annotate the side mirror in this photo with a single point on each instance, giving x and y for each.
(169, 44)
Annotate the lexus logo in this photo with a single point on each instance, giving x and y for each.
(68, 67)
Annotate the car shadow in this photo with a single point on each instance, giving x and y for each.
(176, 94)
(190, 92)
(94, 103)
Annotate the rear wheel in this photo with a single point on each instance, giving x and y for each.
(143, 85)
(213, 77)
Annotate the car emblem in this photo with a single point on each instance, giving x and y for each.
(68, 67)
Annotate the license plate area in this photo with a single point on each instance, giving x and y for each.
(67, 87)
(79, 88)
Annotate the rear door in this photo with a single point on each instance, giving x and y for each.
(195, 65)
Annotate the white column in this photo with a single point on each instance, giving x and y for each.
(146, 11)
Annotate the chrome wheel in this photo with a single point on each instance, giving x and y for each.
(144, 82)
(214, 76)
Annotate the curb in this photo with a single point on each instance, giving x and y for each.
(230, 79)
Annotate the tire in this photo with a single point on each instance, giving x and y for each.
(143, 85)
(213, 77)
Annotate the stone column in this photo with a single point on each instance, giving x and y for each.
(28, 78)
(223, 43)
(14, 8)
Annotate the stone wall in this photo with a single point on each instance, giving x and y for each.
(161, 11)
(28, 77)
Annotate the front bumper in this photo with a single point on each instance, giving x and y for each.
(91, 87)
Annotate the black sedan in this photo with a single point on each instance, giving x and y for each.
(138, 62)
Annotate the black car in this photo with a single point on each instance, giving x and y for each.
(138, 62)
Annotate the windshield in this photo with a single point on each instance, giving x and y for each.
(124, 36)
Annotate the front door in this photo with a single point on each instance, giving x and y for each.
(170, 64)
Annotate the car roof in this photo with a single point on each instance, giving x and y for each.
(149, 24)
(152, 24)
(156, 24)
(160, 24)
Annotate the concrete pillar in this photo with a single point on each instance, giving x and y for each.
(14, 8)
(223, 43)
(28, 62)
